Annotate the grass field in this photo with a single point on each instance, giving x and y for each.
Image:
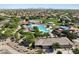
(53, 20)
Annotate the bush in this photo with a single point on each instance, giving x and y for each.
(46, 35)
(76, 51)
(59, 52)
(56, 45)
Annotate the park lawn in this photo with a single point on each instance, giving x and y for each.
(53, 20)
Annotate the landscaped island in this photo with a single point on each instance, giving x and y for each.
(39, 31)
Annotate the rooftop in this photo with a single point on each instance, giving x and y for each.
(50, 41)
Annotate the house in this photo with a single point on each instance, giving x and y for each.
(73, 29)
(48, 42)
(25, 22)
(57, 32)
(65, 18)
(64, 27)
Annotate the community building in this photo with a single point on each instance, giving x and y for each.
(47, 43)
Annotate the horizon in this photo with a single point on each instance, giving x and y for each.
(37, 6)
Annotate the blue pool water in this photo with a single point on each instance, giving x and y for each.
(30, 26)
(41, 27)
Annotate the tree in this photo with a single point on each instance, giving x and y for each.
(17, 36)
(1, 34)
(46, 35)
(37, 33)
(2, 18)
(27, 19)
(15, 19)
(21, 31)
(56, 45)
(59, 52)
(70, 35)
(8, 32)
(76, 51)
(28, 37)
(36, 29)
(13, 23)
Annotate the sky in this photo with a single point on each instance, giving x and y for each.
(53, 6)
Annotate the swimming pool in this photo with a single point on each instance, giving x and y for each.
(41, 27)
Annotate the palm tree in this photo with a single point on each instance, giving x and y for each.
(37, 33)
(28, 37)
(17, 36)
(8, 32)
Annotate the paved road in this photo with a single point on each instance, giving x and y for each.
(4, 47)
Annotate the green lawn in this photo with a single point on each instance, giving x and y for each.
(55, 21)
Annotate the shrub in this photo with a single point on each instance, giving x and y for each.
(76, 51)
(56, 45)
(59, 52)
